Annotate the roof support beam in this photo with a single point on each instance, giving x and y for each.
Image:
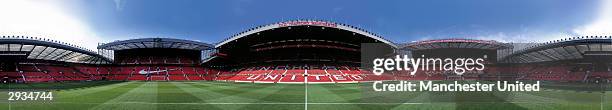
(35, 57)
(49, 53)
(62, 58)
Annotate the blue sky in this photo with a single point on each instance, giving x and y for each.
(398, 20)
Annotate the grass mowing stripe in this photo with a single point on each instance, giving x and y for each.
(83, 102)
(244, 93)
(284, 93)
(224, 94)
(88, 91)
(146, 92)
(247, 94)
(253, 98)
(349, 92)
(199, 93)
(99, 95)
(269, 94)
(319, 94)
(171, 93)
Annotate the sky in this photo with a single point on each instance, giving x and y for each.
(89, 22)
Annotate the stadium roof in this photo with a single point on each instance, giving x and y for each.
(565, 49)
(455, 43)
(45, 49)
(305, 23)
(155, 43)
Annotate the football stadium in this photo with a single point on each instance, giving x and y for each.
(298, 64)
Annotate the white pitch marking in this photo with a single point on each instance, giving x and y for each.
(306, 94)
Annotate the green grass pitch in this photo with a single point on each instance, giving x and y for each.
(233, 96)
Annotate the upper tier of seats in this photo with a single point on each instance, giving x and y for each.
(158, 60)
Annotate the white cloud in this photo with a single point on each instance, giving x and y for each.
(602, 25)
(46, 19)
(525, 37)
(119, 5)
